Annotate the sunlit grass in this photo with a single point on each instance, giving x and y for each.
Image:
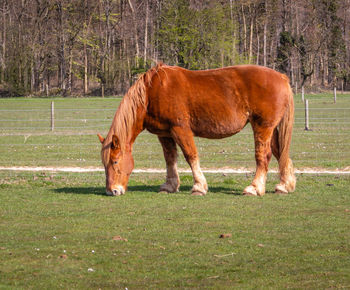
(61, 231)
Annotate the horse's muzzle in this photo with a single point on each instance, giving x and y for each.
(119, 190)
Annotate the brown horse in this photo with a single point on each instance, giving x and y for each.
(177, 104)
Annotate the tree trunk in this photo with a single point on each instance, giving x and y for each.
(160, 10)
(87, 20)
(61, 48)
(86, 85)
(251, 33)
(146, 37)
(70, 71)
(107, 50)
(233, 34)
(103, 46)
(36, 73)
(3, 56)
(302, 93)
(265, 42)
(135, 29)
(244, 31)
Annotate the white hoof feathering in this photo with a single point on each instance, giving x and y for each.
(199, 189)
(281, 189)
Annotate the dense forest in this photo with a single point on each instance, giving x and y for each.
(98, 47)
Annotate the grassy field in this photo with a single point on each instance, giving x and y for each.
(25, 133)
(58, 231)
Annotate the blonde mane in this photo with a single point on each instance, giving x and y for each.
(126, 115)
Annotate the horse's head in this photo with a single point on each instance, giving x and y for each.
(118, 165)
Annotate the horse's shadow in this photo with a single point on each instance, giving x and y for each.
(185, 189)
(80, 190)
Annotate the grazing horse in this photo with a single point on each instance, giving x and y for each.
(177, 104)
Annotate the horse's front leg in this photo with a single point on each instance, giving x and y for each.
(172, 182)
(184, 138)
(262, 138)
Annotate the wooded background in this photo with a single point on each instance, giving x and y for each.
(98, 47)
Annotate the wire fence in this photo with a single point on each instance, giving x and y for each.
(33, 120)
(66, 137)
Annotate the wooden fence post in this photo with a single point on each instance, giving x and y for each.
(307, 115)
(335, 94)
(52, 116)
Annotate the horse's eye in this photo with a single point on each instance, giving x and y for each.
(115, 162)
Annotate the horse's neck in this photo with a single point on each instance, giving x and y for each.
(127, 124)
(137, 126)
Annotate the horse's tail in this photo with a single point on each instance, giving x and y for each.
(285, 129)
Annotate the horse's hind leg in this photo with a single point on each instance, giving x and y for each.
(184, 138)
(287, 178)
(172, 182)
(262, 138)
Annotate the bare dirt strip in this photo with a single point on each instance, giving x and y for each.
(156, 170)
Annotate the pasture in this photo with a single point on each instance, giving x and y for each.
(59, 230)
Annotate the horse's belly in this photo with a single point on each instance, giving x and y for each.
(215, 129)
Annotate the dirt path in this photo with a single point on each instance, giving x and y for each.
(155, 170)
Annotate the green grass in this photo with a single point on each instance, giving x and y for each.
(74, 141)
(55, 227)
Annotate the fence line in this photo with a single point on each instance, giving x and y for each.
(114, 109)
(326, 146)
(143, 143)
(47, 110)
(75, 133)
(53, 116)
(94, 119)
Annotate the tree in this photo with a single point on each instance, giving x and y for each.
(89, 46)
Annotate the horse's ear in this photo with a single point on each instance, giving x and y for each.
(115, 142)
(101, 138)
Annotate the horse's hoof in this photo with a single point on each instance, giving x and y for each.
(281, 189)
(250, 191)
(198, 193)
(249, 194)
(166, 188)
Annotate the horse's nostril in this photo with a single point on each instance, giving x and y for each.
(119, 190)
